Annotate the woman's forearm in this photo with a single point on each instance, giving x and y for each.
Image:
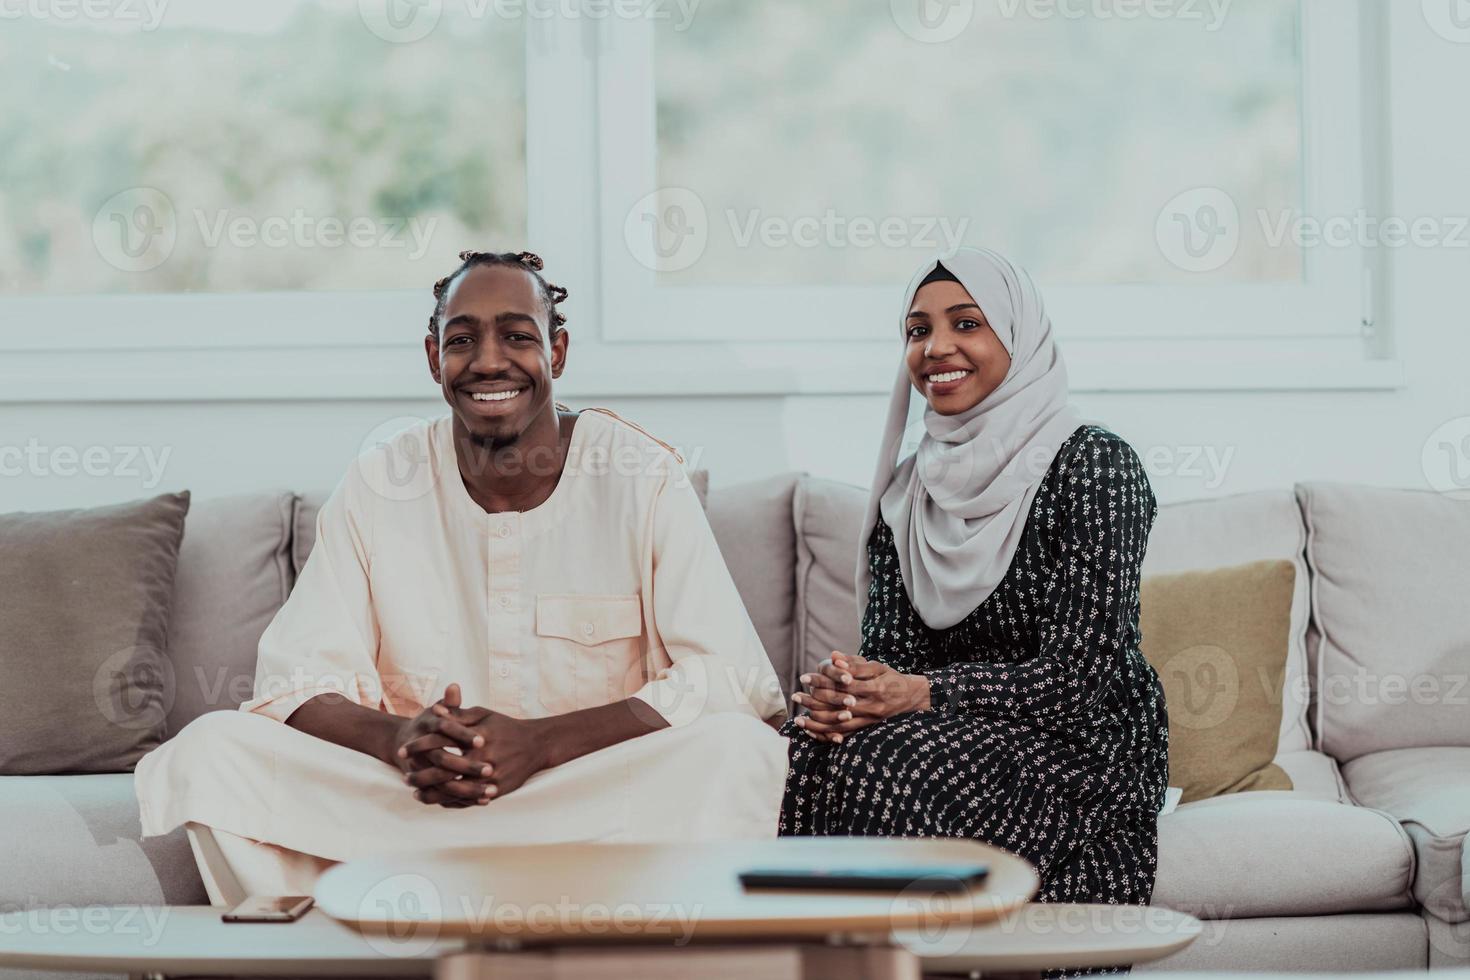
(337, 719)
(919, 690)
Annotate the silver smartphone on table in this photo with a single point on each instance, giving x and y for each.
(269, 908)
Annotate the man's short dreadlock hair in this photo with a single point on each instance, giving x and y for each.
(528, 261)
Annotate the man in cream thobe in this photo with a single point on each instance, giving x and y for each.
(613, 587)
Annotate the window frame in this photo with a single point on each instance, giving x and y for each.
(590, 143)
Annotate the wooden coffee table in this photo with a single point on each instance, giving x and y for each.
(626, 911)
(674, 911)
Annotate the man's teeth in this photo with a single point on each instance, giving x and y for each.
(951, 376)
(495, 396)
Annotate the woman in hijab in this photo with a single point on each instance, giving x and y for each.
(999, 693)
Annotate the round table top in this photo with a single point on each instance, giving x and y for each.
(647, 892)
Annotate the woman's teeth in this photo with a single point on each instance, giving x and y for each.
(495, 396)
(951, 376)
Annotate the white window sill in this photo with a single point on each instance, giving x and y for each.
(378, 371)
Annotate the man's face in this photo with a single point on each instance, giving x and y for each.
(492, 357)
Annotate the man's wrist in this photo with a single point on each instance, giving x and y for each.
(552, 738)
(384, 739)
(562, 738)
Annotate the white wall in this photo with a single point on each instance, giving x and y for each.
(1261, 439)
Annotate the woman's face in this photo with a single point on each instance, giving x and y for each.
(954, 358)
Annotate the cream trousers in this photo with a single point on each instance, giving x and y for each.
(284, 806)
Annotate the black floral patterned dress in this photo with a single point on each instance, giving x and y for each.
(1047, 734)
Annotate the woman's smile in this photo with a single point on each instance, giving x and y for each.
(946, 380)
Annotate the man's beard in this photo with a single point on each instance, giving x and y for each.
(493, 443)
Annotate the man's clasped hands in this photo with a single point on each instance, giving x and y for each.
(457, 757)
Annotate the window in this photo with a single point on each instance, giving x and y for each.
(1049, 137)
(734, 191)
(253, 147)
(779, 165)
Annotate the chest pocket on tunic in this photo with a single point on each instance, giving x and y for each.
(590, 649)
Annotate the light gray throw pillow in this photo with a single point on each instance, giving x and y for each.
(84, 680)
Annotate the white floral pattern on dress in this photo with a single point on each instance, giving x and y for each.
(1047, 734)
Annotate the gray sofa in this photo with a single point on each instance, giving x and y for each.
(1362, 866)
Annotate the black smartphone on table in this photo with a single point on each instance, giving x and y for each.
(938, 878)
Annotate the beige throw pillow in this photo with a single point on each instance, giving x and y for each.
(1218, 639)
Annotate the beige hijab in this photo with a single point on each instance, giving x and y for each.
(958, 504)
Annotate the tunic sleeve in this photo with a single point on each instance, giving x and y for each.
(1089, 612)
(892, 632)
(718, 661)
(325, 638)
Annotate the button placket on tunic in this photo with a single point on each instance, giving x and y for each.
(504, 632)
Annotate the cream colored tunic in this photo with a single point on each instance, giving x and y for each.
(613, 587)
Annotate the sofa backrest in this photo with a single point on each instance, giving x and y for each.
(233, 575)
(1386, 593)
(1391, 606)
(752, 526)
(1198, 534)
(241, 555)
(829, 519)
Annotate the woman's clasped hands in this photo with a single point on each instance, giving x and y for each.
(848, 692)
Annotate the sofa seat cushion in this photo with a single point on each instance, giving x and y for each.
(77, 843)
(1428, 791)
(1314, 776)
(1281, 853)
